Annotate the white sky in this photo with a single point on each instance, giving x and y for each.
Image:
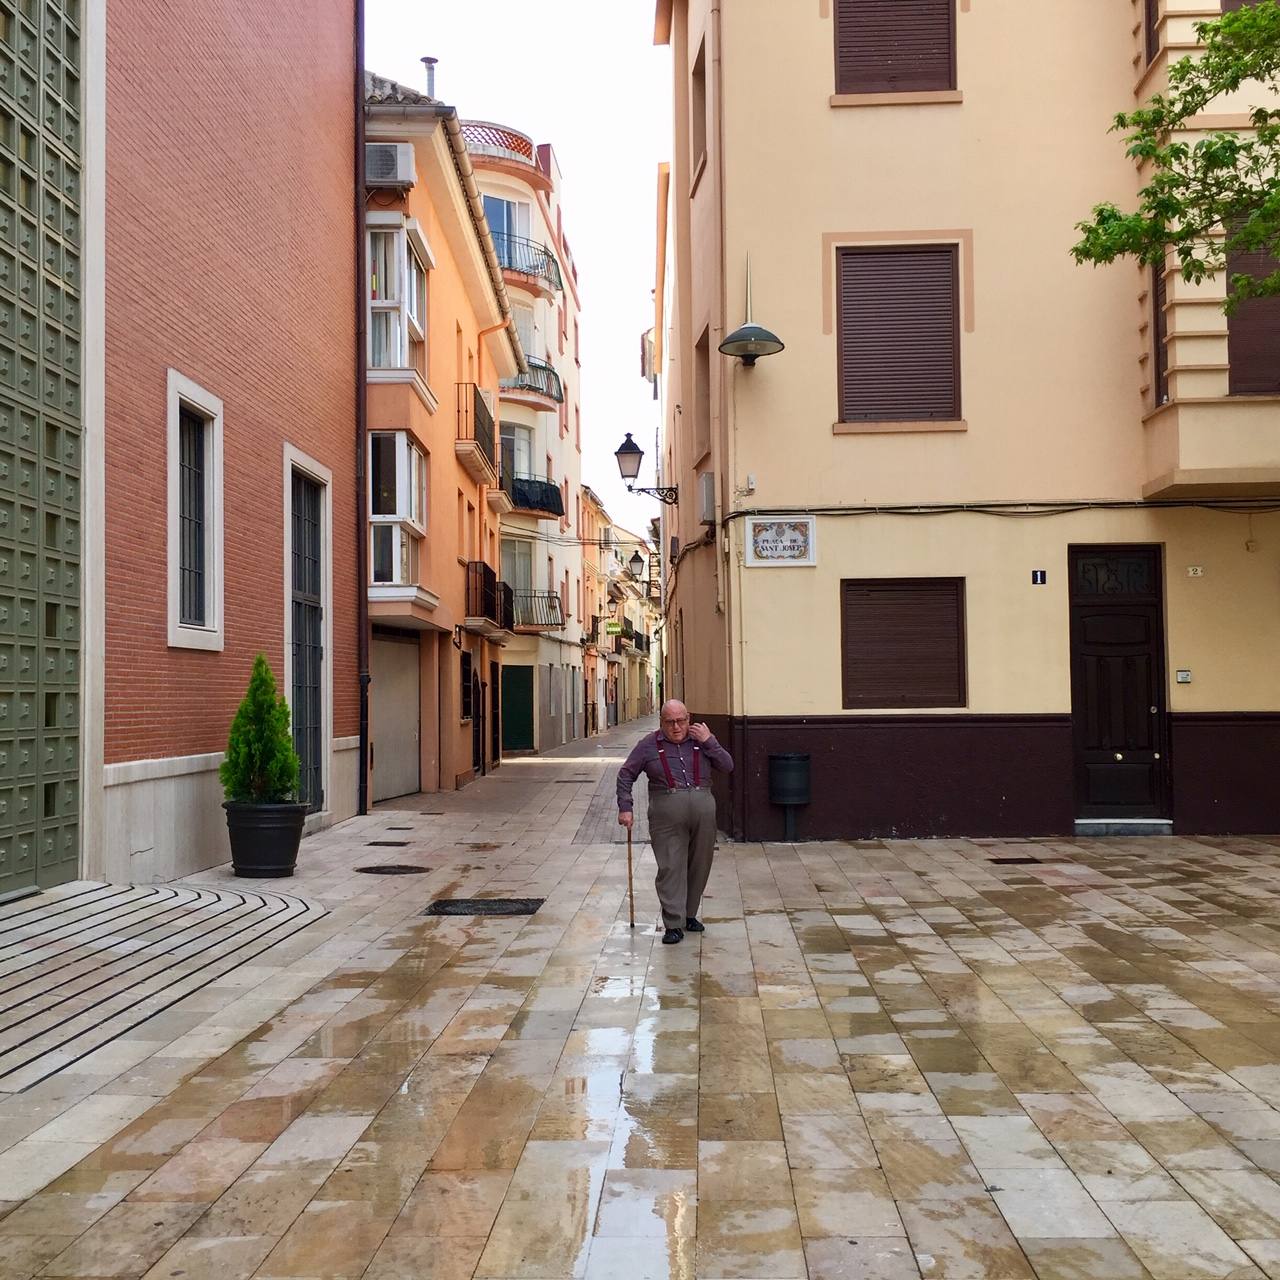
(585, 76)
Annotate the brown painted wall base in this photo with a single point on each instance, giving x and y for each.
(1225, 771)
(907, 776)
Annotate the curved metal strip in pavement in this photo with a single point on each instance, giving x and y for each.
(200, 940)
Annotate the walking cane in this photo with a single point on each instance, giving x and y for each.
(631, 891)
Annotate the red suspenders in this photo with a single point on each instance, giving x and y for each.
(666, 767)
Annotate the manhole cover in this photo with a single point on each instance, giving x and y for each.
(394, 869)
(484, 907)
(387, 844)
(479, 846)
(1012, 862)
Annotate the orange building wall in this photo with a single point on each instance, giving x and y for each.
(230, 257)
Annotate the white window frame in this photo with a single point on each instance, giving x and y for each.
(520, 310)
(183, 391)
(409, 529)
(296, 460)
(411, 249)
(520, 431)
(527, 544)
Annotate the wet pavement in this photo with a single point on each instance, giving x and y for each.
(883, 1059)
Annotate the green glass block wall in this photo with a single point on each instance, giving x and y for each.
(40, 442)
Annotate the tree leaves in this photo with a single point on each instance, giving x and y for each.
(1208, 193)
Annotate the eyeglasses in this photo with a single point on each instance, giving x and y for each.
(682, 720)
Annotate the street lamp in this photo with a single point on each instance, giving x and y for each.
(629, 454)
(636, 564)
(751, 340)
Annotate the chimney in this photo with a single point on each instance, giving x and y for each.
(430, 64)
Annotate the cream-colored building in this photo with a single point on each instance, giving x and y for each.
(988, 541)
(630, 565)
(543, 695)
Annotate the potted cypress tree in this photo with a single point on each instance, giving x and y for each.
(260, 778)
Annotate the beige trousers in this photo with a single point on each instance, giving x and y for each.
(682, 830)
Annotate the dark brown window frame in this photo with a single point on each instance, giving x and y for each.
(1159, 338)
(887, 85)
(904, 699)
(908, 414)
(1247, 373)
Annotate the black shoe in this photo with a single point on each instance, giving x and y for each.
(694, 925)
(672, 935)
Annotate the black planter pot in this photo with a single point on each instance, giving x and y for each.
(264, 838)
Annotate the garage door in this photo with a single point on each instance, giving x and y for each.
(393, 706)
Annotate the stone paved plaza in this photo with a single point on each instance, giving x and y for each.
(884, 1060)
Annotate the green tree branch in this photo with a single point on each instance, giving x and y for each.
(1215, 195)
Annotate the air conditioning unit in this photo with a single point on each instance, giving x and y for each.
(388, 164)
(707, 497)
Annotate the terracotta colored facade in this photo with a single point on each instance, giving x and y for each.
(440, 616)
(230, 252)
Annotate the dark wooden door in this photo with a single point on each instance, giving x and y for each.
(308, 632)
(477, 722)
(1118, 682)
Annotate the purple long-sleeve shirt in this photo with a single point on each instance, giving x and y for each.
(644, 759)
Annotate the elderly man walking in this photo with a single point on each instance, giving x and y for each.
(678, 760)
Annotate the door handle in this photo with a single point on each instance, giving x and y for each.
(1157, 755)
(1119, 755)
(1155, 711)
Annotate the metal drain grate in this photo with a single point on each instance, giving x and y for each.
(1013, 862)
(399, 828)
(394, 869)
(387, 844)
(482, 847)
(484, 907)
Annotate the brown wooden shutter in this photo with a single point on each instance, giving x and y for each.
(1253, 333)
(1151, 28)
(1159, 338)
(887, 46)
(902, 642)
(899, 334)
(1230, 6)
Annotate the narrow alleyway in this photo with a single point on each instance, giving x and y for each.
(969, 1060)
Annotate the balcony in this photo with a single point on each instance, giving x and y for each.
(540, 384)
(538, 611)
(533, 262)
(533, 496)
(591, 637)
(496, 147)
(490, 604)
(1213, 448)
(474, 443)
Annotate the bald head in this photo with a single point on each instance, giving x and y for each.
(675, 720)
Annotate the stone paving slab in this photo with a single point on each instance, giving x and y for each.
(883, 1059)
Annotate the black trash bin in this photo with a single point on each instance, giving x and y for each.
(789, 785)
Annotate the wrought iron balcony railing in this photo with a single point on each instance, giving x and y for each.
(489, 598)
(541, 379)
(539, 609)
(475, 422)
(628, 628)
(528, 258)
(532, 493)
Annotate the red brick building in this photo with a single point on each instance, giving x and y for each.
(228, 478)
